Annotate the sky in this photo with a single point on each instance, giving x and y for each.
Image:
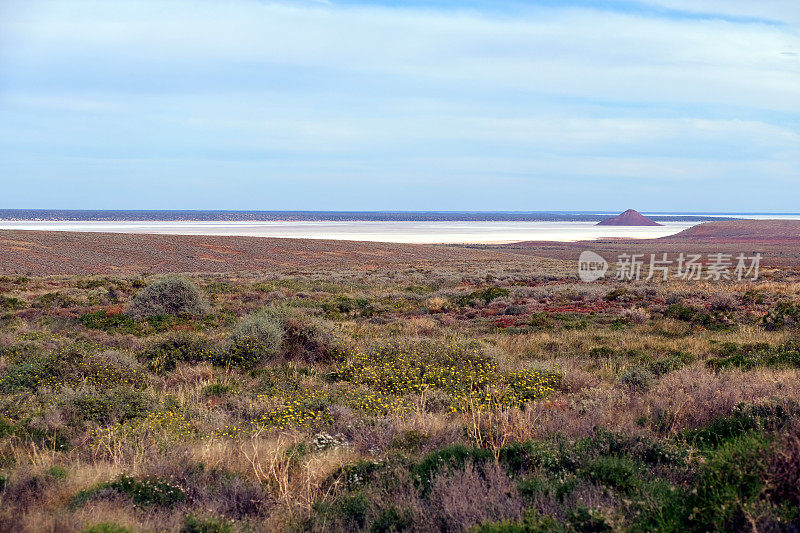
(481, 105)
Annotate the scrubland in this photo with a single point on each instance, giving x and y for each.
(398, 399)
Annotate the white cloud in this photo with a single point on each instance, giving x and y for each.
(322, 92)
(785, 11)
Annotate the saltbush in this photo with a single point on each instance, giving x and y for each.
(637, 377)
(168, 296)
(257, 338)
(278, 333)
(164, 354)
(108, 322)
(113, 405)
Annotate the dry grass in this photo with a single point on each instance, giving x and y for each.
(205, 428)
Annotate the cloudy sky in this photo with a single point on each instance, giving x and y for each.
(676, 105)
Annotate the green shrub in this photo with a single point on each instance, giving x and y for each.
(728, 487)
(72, 366)
(103, 370)
(113, 405)
(54, 299)
(638, 377)
(195, 524)
(165, 354)
(168, 296)
(357, 474)
(601, 352)
(107, 527)
(392, 520)
(18, 352)
(102, 320)
(28, 375)
(531, 523)
(411, 440)
(33, 372)
(257, 338)
(541, 321)
(786, 355)
(745, 419)
(615, 293)
(216, 389)
(10, 302)
(715, 320)
(57, 472)
(616, 472)
(220, 287)
(346, 306)
(448, 458)
(681, 312)
(783, 315)
(490, 293)
(487, 295)
(142, 491)
(673, 361)
(583, 518)
(279, 332)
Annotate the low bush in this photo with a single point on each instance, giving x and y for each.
(728, 489)
(168, 296)
(674, 360)
(279, 333)
(515, 310)
(638, 377)
(745, 419)
(142, 491)
(109, 406)
(449, 458)
(532, 522)
(468, 375)
(723, 302)
(486, 295)
(635, 315)
(106, 322)
(10, 302)
(615, 294)
(786, 355)
(257, 338)
(54, 300)
(33, 371)
(107, 527)
(196, 524)
(783, 315)
(164, 354)
(541, 321)
(344, 306)
(714, 320)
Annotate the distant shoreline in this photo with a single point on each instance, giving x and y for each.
(76, 215)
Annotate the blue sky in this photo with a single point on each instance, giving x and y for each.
(672, 105)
